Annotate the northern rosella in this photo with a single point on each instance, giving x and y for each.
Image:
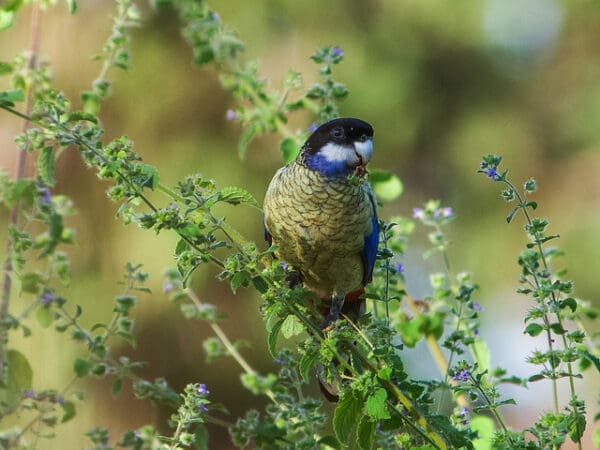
(324, 221)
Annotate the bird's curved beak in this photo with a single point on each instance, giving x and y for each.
(364, 151)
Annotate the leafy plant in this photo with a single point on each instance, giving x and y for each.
(380, 405)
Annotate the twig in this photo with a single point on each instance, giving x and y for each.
(20, 173)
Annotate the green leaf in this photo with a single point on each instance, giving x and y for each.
(30, 282)
(289, 149)
(345, 416)
(44, 316)
(481, 353)
(485, 431)
(533, 329)
(386, 185)
(568, 302)
(576, 426)
(7, 18)
(82, 367)
(509, 218)
(236, 195)
(245, 139)
(241, 278)
(272, 339)
(82, 115)
(11, 96)
(72, 4)
(117, 386)
(330, 441)
(201, 438)
(366, 433)
(68, 411)
(46, 163)
(152, 176)
(91, 102)
(18, 377)
(376, 406)
(260, 284)
(291, 326)
(307, 362)
(593, 358)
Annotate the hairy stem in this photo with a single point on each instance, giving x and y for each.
(20, 173)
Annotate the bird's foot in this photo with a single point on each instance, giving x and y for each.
(334, 312)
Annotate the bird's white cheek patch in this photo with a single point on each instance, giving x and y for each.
(364, 149)
(337, 153)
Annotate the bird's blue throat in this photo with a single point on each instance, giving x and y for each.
(321, 164)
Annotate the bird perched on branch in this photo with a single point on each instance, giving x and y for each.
(323, 219)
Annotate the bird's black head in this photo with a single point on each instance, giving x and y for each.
(339, 147)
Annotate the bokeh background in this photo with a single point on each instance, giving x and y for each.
(442, 82)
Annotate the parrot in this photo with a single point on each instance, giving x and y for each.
(322, 220)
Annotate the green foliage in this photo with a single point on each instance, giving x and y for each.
(379, 405)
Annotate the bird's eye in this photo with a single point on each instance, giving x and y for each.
(337, 132)
(364, 138)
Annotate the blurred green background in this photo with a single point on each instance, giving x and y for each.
(442, 83)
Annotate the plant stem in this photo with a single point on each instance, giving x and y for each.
(436, 352)
(20, 173)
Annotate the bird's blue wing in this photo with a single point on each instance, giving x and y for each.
(369, 252)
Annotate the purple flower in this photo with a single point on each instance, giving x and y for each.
(476, 331)
(418, 213)
(447, 212)
(202, 390)
(492, 173)
(216, 16)
(45, 195)
(312, 127)
(477, 306)
(463, 375)
(30, 393)
(464, 412)
(168, 287)
(46, 298)
(337, 52)
(399, 268)
(278, 361)
(437, 213)
(231, 114)
(203, 407)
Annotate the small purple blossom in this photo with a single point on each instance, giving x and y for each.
(418, 213)
(463, 375)
(492, 173)
(437, 213)
(168, 287)
(337, 52)
(202, 407)
(477, 306)
(202, 390)
(278, 361)
(476, 331)
(399, 268)
(231, 114)
(44, 195)
(312, 127)
(447, 212)
(30, 393)
(216, 17)
(46, 298)
(464, 412)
